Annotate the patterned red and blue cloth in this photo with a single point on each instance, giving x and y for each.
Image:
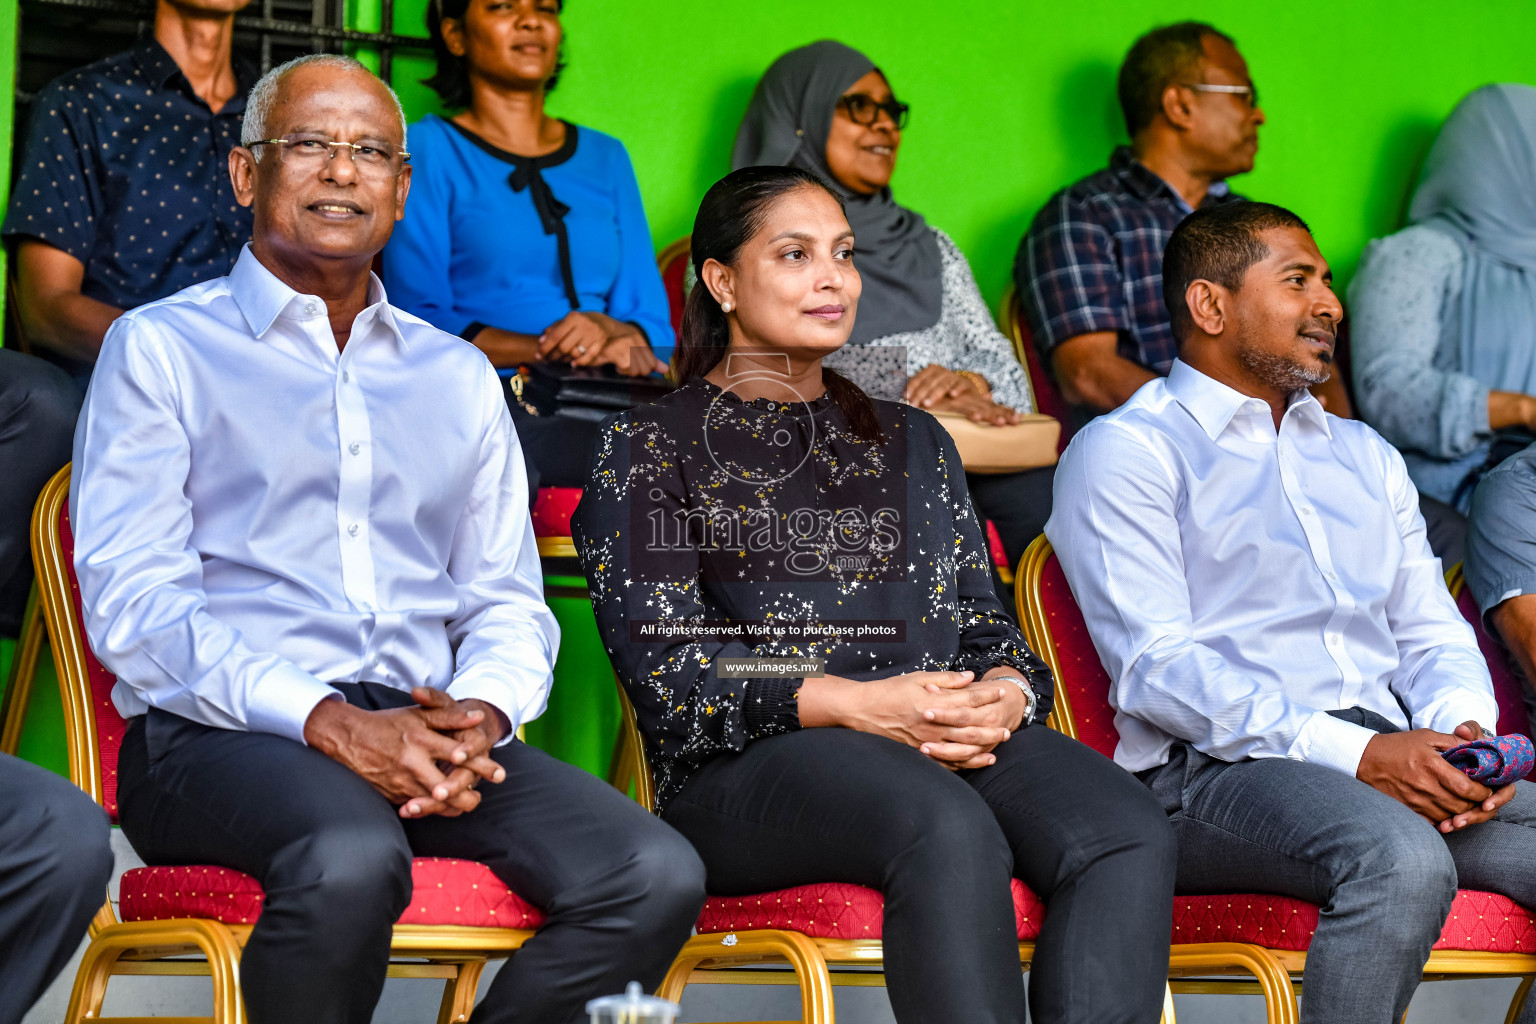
(1496, 760)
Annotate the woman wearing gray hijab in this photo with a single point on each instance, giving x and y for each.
(1443, 313)
(1444, 341)
(923, 333)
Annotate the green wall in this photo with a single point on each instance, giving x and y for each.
(1012, 100)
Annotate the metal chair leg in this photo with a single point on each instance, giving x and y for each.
(810, 966)
(18, 686)
(1168, 1015)
(1518, 1003)
(459, 993)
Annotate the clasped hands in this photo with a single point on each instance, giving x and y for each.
(1407, 766)
(940, 389)
(593, 339)
(425, 759)
(952, 717)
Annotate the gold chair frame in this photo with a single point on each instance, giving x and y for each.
(1443, 965)
(454, 955)
(818, 965)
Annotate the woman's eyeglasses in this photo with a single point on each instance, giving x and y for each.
(864, 109)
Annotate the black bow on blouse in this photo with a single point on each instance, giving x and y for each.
(551, 211)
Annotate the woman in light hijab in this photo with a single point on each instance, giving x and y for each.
(923, 333)
(1443, 313)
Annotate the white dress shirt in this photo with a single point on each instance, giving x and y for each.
(258, 515)
(1239, 584)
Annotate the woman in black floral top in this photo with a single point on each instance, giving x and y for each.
(768, 511)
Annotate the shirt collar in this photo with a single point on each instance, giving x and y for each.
(161, 71)
(1214, 405)
(1144, 183)
(262, 297)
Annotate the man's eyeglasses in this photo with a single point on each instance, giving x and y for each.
(864, 109)
(372, 159)
(1247, 93)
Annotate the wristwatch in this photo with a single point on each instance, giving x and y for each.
(1031, 699)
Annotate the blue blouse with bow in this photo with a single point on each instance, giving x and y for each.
(473, 250)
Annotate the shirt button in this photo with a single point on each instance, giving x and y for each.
(353, 529)
(1333, 641)
(309, 307)
(345, 377)
(354, 448)
(1306, 510)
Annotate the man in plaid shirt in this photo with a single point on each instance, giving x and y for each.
(1090, 271)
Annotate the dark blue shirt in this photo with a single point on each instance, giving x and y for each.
(127, 170)
(1093, 261)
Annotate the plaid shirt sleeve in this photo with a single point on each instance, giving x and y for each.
(1068, 275)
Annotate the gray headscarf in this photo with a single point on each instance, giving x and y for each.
(787, 122)
(1479, 187)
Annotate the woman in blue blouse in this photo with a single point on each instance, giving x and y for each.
(524, 233)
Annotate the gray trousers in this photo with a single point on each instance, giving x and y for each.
(1383, 875)
(55, 859)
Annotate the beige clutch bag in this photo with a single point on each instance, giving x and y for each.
(985, 448)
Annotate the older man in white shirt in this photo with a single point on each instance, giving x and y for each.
(303, 544)
(1286, 662)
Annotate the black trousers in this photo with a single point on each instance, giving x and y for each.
(621, 890)
(835, 805)
(55, 860)
(38, 408)
(1019, 503)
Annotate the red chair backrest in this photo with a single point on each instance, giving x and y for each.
(109, 724)
(552, 511)
(673, 275)
(1048, 399)
(1506, 684)
(1080, 676)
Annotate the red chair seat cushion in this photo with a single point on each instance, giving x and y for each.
(1481, 922)
(833, 910)
(446, 892)
(552, 511)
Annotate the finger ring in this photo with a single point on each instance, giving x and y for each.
(581, 350)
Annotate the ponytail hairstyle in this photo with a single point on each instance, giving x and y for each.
(734, 209)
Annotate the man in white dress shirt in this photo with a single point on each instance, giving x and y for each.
(303, 544)
(1287, 664)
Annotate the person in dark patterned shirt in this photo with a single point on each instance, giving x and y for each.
(767, 513)
(123, 192)
(1089, 272)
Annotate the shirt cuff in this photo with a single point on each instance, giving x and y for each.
(495, 693)
(1485, 715)
(1333, 742)
(283, 699)
(772, 706)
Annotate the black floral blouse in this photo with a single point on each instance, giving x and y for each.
(712, 528)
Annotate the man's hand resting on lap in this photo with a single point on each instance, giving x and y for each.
(1407, 766)
(402, 752)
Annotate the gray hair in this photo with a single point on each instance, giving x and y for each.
(258, 106)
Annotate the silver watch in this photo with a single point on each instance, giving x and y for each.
(1032, 701)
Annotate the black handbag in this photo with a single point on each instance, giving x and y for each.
(590, 393)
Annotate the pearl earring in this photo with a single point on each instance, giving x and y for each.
(725, 307)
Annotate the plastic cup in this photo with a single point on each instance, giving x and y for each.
(633, 1007)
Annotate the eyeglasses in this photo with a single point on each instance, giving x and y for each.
(864, 109)
(372, 159)
(1247, 93)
